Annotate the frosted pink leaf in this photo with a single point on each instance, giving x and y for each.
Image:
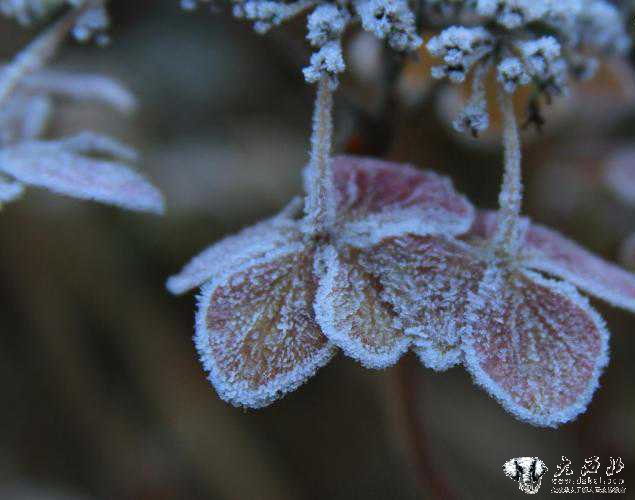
(23, 118)
(619, 174)
(50, 165)
(9, 190)
(535, 345)
(426, 280)
(547, 251)
(251, 243)
(352, 313)
(255, 328)
(379, 199)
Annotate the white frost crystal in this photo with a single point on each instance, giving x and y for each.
(391, 20)
(460, 49)
(580, 28)
(511, 74)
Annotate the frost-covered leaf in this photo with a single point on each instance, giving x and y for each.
(350, 309)
(379, 199)
(426, 280)
(548, 251)
(90, 143)
(535, 345)
(23, 117)
(250, 244)
(255, 328)
(619, 175)
(81, 87)
(9, 190)
(51, 165)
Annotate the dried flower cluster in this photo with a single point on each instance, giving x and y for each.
(88, 165)
(528, 42)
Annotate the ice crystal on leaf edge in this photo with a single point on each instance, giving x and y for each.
(545, 358)
(365, 187)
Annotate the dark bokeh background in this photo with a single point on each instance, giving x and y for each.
(103, 396)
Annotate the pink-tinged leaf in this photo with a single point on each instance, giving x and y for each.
(547, 251)
(255, 329)
(251, 243)
(352, 313)
(534, 344)
(427, 280)
(23, 118)
(10, 190)
(50, 165)
(619, 174)
(379, 199)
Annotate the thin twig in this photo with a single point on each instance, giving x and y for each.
(409, 391)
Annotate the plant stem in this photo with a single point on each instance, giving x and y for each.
(508, 235)
(38, 52)
(409, 395)
(320, 191)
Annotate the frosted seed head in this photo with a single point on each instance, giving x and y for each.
(327, 61)
(92, 23)
(512, 14)
(460, 49)
(474, 118)
(326, 23)
(255, 329)
(543, 61)
(392, 20)
(535, 345)
(511, 73)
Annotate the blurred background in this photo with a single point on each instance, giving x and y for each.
(103, 395)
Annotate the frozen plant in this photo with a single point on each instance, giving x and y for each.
(386, 258)
(279, 296)
(87, 165)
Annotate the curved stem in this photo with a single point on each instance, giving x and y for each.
(320, 195)
(416, 437)
(38, 52)
(511, 194)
